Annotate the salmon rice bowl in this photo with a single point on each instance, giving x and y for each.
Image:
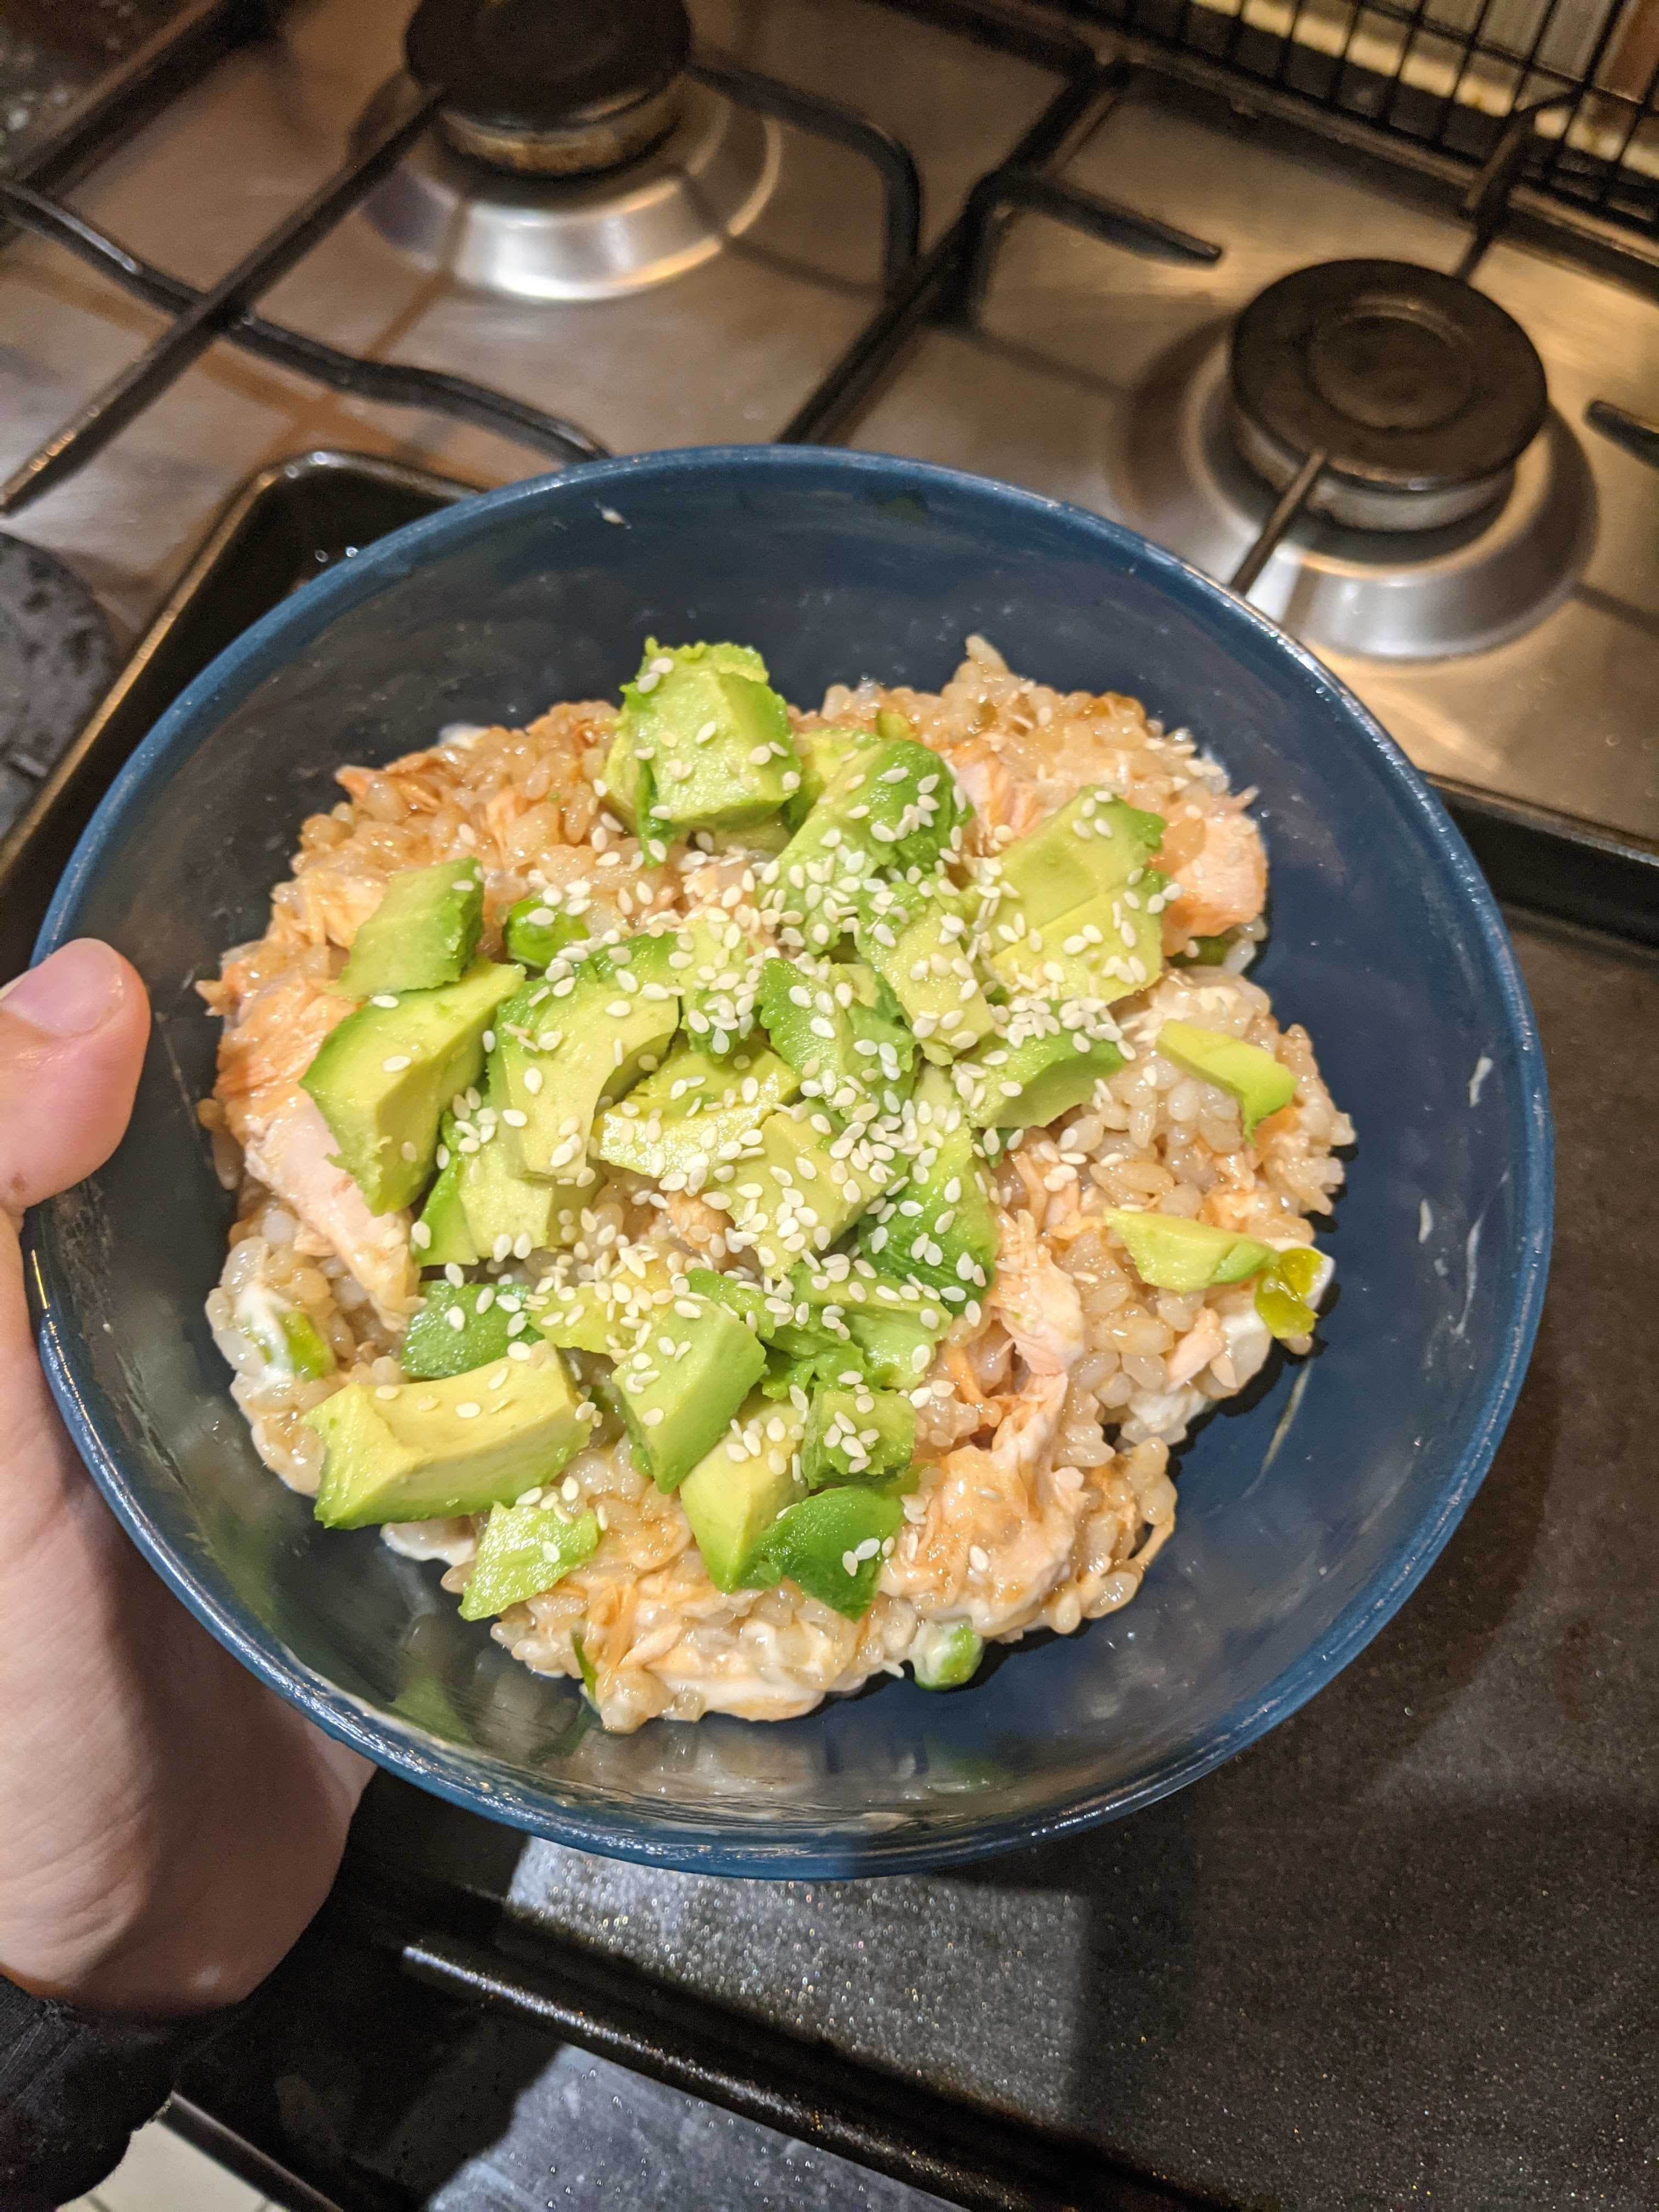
(759, 1194)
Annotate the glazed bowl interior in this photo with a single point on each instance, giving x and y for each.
(1309, 1509)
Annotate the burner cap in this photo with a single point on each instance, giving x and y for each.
(1410, 382)
(555, 66)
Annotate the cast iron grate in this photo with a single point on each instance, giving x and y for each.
(1448, 75)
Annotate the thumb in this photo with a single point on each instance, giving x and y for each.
(72, 1036)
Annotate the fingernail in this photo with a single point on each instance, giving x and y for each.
(70, 993)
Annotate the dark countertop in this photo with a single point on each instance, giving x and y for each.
(1401, 1952)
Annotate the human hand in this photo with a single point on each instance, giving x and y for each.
(167, 1826)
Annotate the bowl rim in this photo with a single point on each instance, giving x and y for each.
(847, 1850)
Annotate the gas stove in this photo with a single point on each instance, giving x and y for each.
(1359, 319)
(1365, 390)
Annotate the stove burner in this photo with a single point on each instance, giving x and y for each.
(1422, 393)
(577, 237)
(55, 663)
(552, 87)
(1394, 595)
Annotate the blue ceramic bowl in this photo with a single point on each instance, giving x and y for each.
(1308, 1513)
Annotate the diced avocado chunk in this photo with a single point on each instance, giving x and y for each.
(716, 969)
(856, 1436)
(423, 933)
(703, 740)
(441, 1237)
(1173, 1254)
(465, 1326)
(536, 932)
(677, 1120)
(812, 1358)
(946, 1654)
(422, 1451)
(824, 754)
(803, 1186)
(509, 1214)
(845, 1288)
(856, 1061)
(1091, 846)
(1253, 1077)
(1028, 1084)
(578, 1317)
(1287, 1294)
(1206, 952)
(524, 1550)
(919, 940)
(832, 1545)
(569, 1046)
(891, 808)
(747, 1300)
(679, 1388)
(284, 1334)
(1079, 911)
(732, 1497)
(608, 1316)
(936, 1227)
(897, 1348)
(384, 1077)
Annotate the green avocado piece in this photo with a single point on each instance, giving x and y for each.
(284, 1334)
(570, 1044)
(936, 1227)
(1088, 848)
(716, 969)
(810, 1359)
(824, 754)
(856, 1061)
(1077, 911)
(897, 1348)
(441, 1237)
(535, 932)
(608, 1316)
(1173, 1254)
(734, 1494)
(1285, 1293)
(578, 1317)
(523, 1550)
(463, 1326)
(747, 1300)
(830, 1545)
(946, 1654)
(423, 933)
(892, 808)
(1253, 1077)
(509, 1214)
(802, 1186)
(703, 740)
(678, 1389)
(1206, 952)
(422, 1451)
(918, 939)
(382, 1078)
(1025, 1085)
(678, 1121)
(856, 1434)
(841, 1285)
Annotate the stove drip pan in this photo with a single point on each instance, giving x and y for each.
(1391, 594)
(588, 238)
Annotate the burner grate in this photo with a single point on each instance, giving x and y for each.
(1450, 74)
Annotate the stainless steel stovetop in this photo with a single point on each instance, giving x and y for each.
(1092, 373)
